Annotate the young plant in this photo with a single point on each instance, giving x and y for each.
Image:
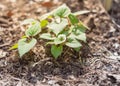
(59, 27)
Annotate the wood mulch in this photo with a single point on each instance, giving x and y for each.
(100, 58)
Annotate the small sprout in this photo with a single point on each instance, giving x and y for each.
(63, 29)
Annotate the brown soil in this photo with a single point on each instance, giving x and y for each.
(100, 58)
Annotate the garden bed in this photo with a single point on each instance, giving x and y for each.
(100, 57)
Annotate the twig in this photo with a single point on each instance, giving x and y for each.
(60, 79)
(5, 44)
(45, 59)
(67, 49)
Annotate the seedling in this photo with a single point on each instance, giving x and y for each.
(59, 27)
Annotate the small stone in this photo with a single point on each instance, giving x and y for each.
(115, 53)
(2, 54)
(116, 45)
(112, 29)
(51, 82)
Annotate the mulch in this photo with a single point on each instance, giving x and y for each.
(100, 57)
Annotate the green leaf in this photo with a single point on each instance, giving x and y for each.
(56, 50)
(33, 30)
(57, 19)
(50, 42)
(24, 36)
(28, 21)
(82, 26)
(65, 32)
(62, 11)
(60, 39)
(15, 46)
(73, 19)
(58, 27)
(81, 12)
(71, 36)
(77, 49)
(43, 23)
(81, 36)
(47, 36)
(24, 47)
(79, 28)
(73, 43)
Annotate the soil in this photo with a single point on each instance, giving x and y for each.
(97, 64)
